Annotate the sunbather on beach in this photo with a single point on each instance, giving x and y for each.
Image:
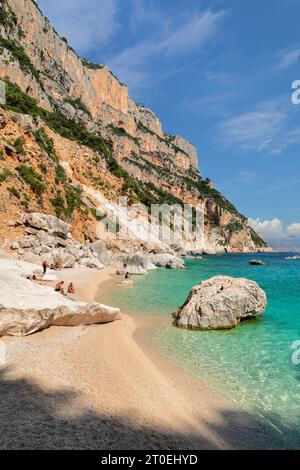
(59, 287)
(71, 289)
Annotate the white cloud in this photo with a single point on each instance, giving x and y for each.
(277, 235)
(254, 130)
(191, 35)
(86, 24)
(247, 176)
(214, 104)
(269, 229)
(269, 126)
(293, 230)
(177, 38)
(289, 58)
(144, 14)
(220, 78)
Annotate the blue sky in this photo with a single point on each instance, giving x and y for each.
(220, 74)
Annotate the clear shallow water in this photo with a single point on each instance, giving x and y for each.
(250, 364)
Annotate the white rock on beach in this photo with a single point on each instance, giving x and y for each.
(221, 302)
(167, 261)
(92, 263)
(31, 258)
(26, 307)
(98, 247)
(68, 261)
(133, 270)
(137, 265)
(48, 223)
(48, 238)
(23, 322)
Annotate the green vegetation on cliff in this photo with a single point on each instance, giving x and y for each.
(257, 240)
(65, 203)
(7, 17)
(5, 174)
(32, 178)
(195, 182)
(19, 145)
(45, 142)
(168, 139)
(119, 131)
(14, 192)
(20, 102)
(78, 104)
(89, 65)
(18, 53)
(234, 226)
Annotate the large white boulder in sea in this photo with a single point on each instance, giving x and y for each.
(221, 302)
(27, 307)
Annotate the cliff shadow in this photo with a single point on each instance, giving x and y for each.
(30, 419)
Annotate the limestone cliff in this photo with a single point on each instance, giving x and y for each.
(113, 144)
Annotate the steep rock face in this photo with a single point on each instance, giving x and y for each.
(69, 79)
(187, 147)
(64, 75)
(146, 117)
(109, 90)
(86, 103)
(229, 232)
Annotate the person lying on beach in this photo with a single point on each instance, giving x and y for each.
(59, 287)
(71, 289)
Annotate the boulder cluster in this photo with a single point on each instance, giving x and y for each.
(47, 238)
(141, 263)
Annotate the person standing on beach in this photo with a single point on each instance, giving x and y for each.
(45, 266)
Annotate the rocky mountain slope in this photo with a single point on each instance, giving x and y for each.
(71, 136)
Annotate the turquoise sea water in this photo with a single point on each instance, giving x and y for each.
(251, 364)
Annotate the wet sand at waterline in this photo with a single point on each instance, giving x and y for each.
(99, 388)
